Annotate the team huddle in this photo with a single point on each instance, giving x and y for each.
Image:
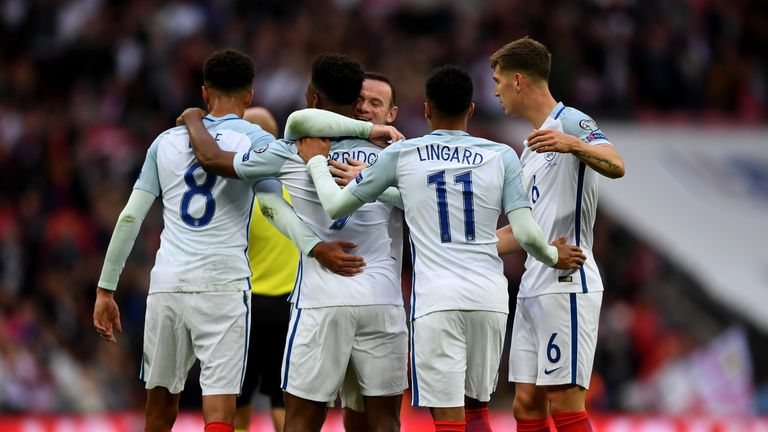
(353, 181)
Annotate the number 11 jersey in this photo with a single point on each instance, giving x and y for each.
(453, 186)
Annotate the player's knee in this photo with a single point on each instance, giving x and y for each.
(568, 398)
(529, 404)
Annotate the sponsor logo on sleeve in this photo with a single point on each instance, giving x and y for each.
(596, 136)
(246, 156)
(261, 149)
(359, 177)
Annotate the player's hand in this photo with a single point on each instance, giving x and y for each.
(106, 314)
(548, 140)
(569, 257)
(190, 113)
(344, 173)
(311, 147)
(384, 135)
(332, 255)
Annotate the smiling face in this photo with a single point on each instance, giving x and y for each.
(507, 90)
(375, 103)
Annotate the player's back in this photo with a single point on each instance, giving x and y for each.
(203, 246)
(368, 228)
(452, 187)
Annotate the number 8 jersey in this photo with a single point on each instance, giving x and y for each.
(203, 246)
(453, 187)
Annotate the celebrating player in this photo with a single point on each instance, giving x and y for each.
(555, 326)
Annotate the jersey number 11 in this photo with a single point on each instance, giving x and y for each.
(465, 180)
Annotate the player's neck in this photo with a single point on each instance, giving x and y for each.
(448, 124)
(222, 107)
(540, 105)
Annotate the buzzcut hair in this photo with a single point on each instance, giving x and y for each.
(385, 79)
(337, 77)
(449, 90)
(525, 55)
(228, 71)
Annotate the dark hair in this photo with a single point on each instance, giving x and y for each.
(449, 90)
(525, 55)
(228, 70)
(337, 78)
(383, 78)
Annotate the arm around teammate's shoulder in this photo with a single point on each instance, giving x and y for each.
(211, 157)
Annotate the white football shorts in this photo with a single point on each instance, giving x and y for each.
(455, 353)
(554, 337)
(323, 342)
(210, 326)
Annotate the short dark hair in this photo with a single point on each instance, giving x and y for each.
(525, 55)
(337, 77)
(449, 90)
(228, 70)
(385, 79)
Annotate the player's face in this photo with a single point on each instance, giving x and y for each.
(505, 90)
(375, 103)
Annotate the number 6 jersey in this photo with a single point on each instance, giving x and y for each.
(563, 193)
(203, 246)
(453, 186)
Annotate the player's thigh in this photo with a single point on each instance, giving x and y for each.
(380, 350)
(438, 359)
(220, 323)
(523, 346)
(566, 330)
(485, 343)
(167, 353)
(317, 352)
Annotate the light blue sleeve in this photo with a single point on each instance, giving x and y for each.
(514, 195)
(580, 125)
(259, 137)
(375, 179)
(148, 178)
(262, 162)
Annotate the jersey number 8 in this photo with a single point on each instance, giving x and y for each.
(195, 188)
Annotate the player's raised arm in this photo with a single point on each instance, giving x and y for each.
(312, 122)
(211, 157)
(106, 313)
(602, 158)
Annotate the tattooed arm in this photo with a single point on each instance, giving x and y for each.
(602, 158)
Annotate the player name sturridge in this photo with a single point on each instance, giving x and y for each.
(432, 152)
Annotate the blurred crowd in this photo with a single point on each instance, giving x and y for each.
(86, 85)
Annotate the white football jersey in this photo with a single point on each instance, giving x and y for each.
(369, 228)
(203, 246)
(453, 187)
(563, 194)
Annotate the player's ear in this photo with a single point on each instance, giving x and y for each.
(427, 111)
(248, 97)
(391, 115)
(518, 81)
(205, 94)
(471, 110)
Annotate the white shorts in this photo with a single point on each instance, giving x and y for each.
(323, 342)
(553, 339)
(210, 326)
(455, 354)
